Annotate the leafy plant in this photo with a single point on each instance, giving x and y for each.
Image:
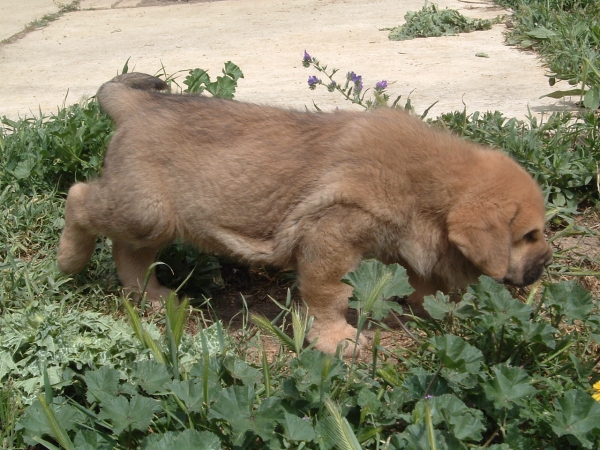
(431, 21)
(198, 81)
(488, 371)
(567, 35)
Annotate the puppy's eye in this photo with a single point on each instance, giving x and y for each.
(531, 236)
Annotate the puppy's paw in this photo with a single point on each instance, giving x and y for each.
(329, 336)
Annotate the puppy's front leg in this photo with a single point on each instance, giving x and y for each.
(329, 250)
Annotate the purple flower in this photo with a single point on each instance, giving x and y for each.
(380, 86)
(306, 60)
(354, 78)
(357, 80)
(331, 87)
(313, 81)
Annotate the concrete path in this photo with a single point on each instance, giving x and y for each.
(70, 58)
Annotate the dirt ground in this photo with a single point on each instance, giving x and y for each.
(68, 59)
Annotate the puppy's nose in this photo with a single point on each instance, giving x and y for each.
(548, 258)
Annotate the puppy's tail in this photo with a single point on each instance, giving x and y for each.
(121, 95)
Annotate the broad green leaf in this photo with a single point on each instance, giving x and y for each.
(456, 354)
(122, 414)
(368, 401)
(577, 414)
(463, 422)
(541, 33)
(224, 87)
(241, 370)
(591, 99)
(297, 428)
(92, 440)
(152, 376)
(500, 307)
(102, 384)
(36, 422)
(185, 440)
(314, 371)
(233, 71)
(373, 283)
(570, 299)
(539, 332)
(195, 81)
(416, 437)
(190, 392)
(235, 405)
(509, 387)
(439, 306)
(23, 169)
(421, 383)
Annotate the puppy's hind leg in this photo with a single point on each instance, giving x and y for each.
(77, 241)
(133, 263)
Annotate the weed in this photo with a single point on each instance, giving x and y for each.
(431, 21)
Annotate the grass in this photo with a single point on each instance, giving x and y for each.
(79, 369)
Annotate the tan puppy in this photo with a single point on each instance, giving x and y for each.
(309, 191)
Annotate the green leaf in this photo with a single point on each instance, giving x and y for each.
(509, 387)
(591, 99)
(562, 94)
(494, 299)
(541, 33)
(233, 71)
(297, 428)
(190, 392)
(241, 370)
(577, 414)
(315, 370)
(539, 332)
(225, 87)
(463, 422)
(152, 376)
(422, 383)
(92, 440)
(373, 283)
(52, 420)
(195, 81)
(456, 354)
(136, 413)
(235, 405)
(102, 384)
(185, 440)
(569, 299)
(23, 169)
(416, 437)
(439, 306)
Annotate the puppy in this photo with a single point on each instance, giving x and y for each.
(310, 191)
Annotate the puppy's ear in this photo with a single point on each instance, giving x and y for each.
(482, 235)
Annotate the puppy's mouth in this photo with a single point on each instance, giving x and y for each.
(532, 274)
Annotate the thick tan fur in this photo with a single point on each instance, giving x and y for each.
(310, 191)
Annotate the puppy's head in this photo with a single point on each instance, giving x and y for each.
(498, 225)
